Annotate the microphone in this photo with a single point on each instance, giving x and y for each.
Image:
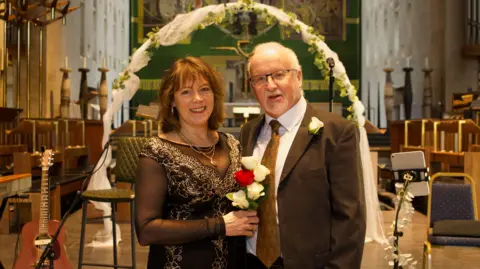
(330, 62)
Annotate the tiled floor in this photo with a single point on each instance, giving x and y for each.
(412, 242)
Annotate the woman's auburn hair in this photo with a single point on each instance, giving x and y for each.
(183, 71)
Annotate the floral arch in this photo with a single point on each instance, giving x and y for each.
(181, 27)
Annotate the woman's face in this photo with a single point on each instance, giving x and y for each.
(194, 102)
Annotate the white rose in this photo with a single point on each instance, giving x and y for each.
(249, 162)
(255, 190)
(260, 172)
(240, 199)
(315, 125)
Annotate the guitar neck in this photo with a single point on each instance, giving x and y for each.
(44, 202)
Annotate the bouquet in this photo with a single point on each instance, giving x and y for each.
(250, 178)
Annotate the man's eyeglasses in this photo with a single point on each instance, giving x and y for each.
(277, 76)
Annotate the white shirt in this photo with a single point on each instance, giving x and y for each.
(290, 122)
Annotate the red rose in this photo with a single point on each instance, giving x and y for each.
(244, 177)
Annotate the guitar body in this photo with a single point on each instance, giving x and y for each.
(37, 234)
(30, 253)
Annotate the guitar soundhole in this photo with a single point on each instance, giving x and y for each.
(41, 242)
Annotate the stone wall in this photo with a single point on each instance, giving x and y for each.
(395, 30)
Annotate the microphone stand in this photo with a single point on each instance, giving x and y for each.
(407, 176)
(397, 234)
(47, 252)
(331, 65)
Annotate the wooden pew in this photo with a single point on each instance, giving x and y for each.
(421, 132)
(69, 162)
(411, 133)
(451, 157)
(9, 186)
(72, 143)
(9, 144)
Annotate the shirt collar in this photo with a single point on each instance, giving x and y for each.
(292, 117)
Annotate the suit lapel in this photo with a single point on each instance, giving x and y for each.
(300, 143)
(253, 135)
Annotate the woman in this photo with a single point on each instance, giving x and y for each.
(184, 174)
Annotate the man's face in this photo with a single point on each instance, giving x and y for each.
(281, 88)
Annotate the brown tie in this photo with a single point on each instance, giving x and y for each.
(268, 239)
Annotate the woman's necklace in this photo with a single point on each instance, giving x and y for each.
(208, 152)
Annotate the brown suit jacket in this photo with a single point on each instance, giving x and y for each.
(321, 203)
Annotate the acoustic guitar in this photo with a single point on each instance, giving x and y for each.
(36, 234)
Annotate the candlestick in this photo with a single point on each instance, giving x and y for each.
(388, 96)
(408, 93)
(427, 91)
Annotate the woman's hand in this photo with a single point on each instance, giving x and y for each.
(238, 223)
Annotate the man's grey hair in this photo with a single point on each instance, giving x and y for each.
(292, 57)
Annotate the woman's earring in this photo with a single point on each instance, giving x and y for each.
(172, 110)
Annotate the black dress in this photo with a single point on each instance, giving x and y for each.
(180, 201)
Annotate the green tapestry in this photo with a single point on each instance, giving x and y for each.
(337, 20)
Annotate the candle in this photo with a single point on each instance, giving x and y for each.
(104, 62)
(84, 62)
(388, 62)
(408, 62)
(66, 62)
(426, 63)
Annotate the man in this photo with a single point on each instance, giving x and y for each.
(314, 212)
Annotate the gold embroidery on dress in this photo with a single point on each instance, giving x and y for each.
(190, 179)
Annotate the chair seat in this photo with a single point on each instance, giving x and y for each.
(454, 241)
(457, 228)
(109, 195)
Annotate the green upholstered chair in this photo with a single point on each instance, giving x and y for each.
(127, 152)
